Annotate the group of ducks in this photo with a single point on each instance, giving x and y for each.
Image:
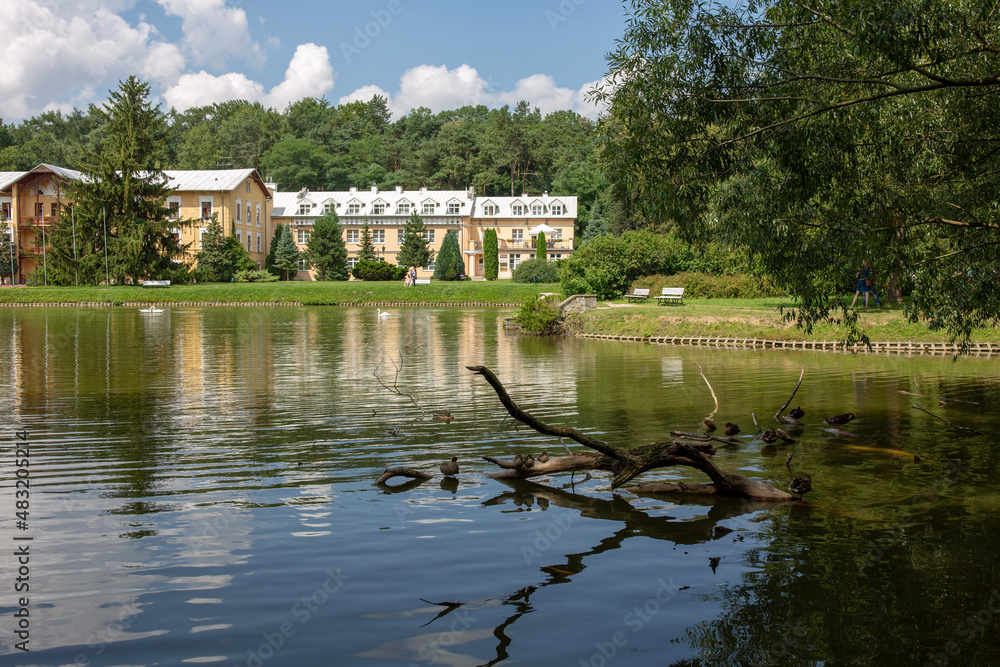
(450, 468)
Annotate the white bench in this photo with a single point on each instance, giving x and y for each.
(671, 294)
(156, 283)
(422, 281)
(640, 294)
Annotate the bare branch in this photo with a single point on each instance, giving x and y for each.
(954, 426)
(714, 397)
(782, 409)
(394, 389)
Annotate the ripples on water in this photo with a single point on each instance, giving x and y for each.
(201, 493)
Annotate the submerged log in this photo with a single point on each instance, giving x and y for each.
(401, 472)
(624, 465)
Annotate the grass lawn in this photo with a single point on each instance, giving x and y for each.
(499, 292)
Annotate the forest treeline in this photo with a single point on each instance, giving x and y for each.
(314, 144)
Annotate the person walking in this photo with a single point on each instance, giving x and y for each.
(865, 278)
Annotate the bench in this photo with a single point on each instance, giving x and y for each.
(640, 294)
(671, 294)
(156, 283)
(422, 281)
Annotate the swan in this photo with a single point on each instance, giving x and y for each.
(382, 314)
(151, 309)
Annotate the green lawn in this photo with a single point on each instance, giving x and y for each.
(500, 292)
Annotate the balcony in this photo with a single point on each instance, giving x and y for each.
(508, 244)
(34, 251)
(37, 222)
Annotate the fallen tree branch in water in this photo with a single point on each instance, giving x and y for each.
(401, 472)
(954, 426)
(777, 414)
(624, 465)
(714, 397)
(394, 388)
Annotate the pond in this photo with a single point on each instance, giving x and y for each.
(201, 492)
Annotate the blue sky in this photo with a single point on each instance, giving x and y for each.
(438, 54)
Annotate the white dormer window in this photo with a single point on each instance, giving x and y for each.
(557, 209)
(489, 209)
(378, 209)
(517, 209)
(304, 209)
(537, 209)
(328, 208)
(403, 207)
(354, 209)
(428, 208)
(453, 208)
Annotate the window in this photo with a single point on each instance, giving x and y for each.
(378, 209)
(400, 235)
(403, 207)
(517, 235)
(353, 209)
(175, 234)
(353, 235)
(328, 208)
(201, 236)
(248, 185)
(303, 236)
(303, 264)
(249, 242)
(239, 236)
(429, 267)
(54, 209)
(378, 236)
(557, 209)
(531, 256)
(554, 256)
(352, 262)
(453, 209)
(239, 206)
(206, 208)
(258, 242)
(174, 210)
(258, 215)
(557, 235)
(304, 209)
(428, 235)
(39, 210)
(536, 209)
(5, 210)
(482, 266)
(517, 209)
(515, 261)
(249, 212)
(489, 209)
(428, 208)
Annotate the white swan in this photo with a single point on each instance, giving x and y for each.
(151, 309)
(382, 314)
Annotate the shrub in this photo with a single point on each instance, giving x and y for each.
(608, 265)
(537, 316)
(536, 271)
(255, 277)
(491, 257)
(449, 264)
(365, 270)
(705, 286)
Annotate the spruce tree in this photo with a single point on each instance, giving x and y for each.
(449, 264)
(8, 257)
(491, 254)
(213, 259)
(326, 250)
(541, 251)
(414, 251)
(269, 260)
(596, 227)
(286, 255)
(366, 251)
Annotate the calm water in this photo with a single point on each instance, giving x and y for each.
(201, 493)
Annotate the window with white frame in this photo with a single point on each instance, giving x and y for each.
(428, 208)
(206, 207)
(249, 241)
(249, 212)
(428, 235)
(5, 210)
(403, 207)
(400, 235)
(303, 264)
(557, 235)
(429, 267)
(517, 209)
(239, 207)
(175, 234)
(328, 208)
(353, 235)
(258, 242)
(352, 262)
(557, 209)
(201, 236)
(258, 215)
(174, 208)
(378, 236)
(303, 236)
(536, 209)
(554, 256)
(248, 185)
(304, 209)
(515, 261)
(517, 235)
(239, 236)
(489, 209)
(354, 209)
(454, 208)
(378, 209)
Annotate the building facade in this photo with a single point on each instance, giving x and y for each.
(33, 202)
(517, 221)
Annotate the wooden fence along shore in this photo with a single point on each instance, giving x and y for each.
(889, 347)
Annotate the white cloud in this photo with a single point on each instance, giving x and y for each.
(309, 74)
(439, 88)
(215, 33)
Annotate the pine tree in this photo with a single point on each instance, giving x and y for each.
(269, 260)
(596, 227)
(541, 251)
(123, 181)
(449, 264)
(286, 255)
(327, 252)
(491, 254)
(8, 257)
(414, 251)
(213, 260)
(366, 251)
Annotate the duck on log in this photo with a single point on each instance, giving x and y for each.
(625, 465)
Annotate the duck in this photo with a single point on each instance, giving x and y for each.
(769, 436)
(381, 314)
(732, 429)
(709, 424)
(518, 460)
(450, 468)
(529, 461)
(839, 420)
(543, 457)
(443, 416)
(797, 413)
(801, 485)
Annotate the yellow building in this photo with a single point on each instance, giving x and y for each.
(516, 219)
(33, 202)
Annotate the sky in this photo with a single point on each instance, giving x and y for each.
(440, 54)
